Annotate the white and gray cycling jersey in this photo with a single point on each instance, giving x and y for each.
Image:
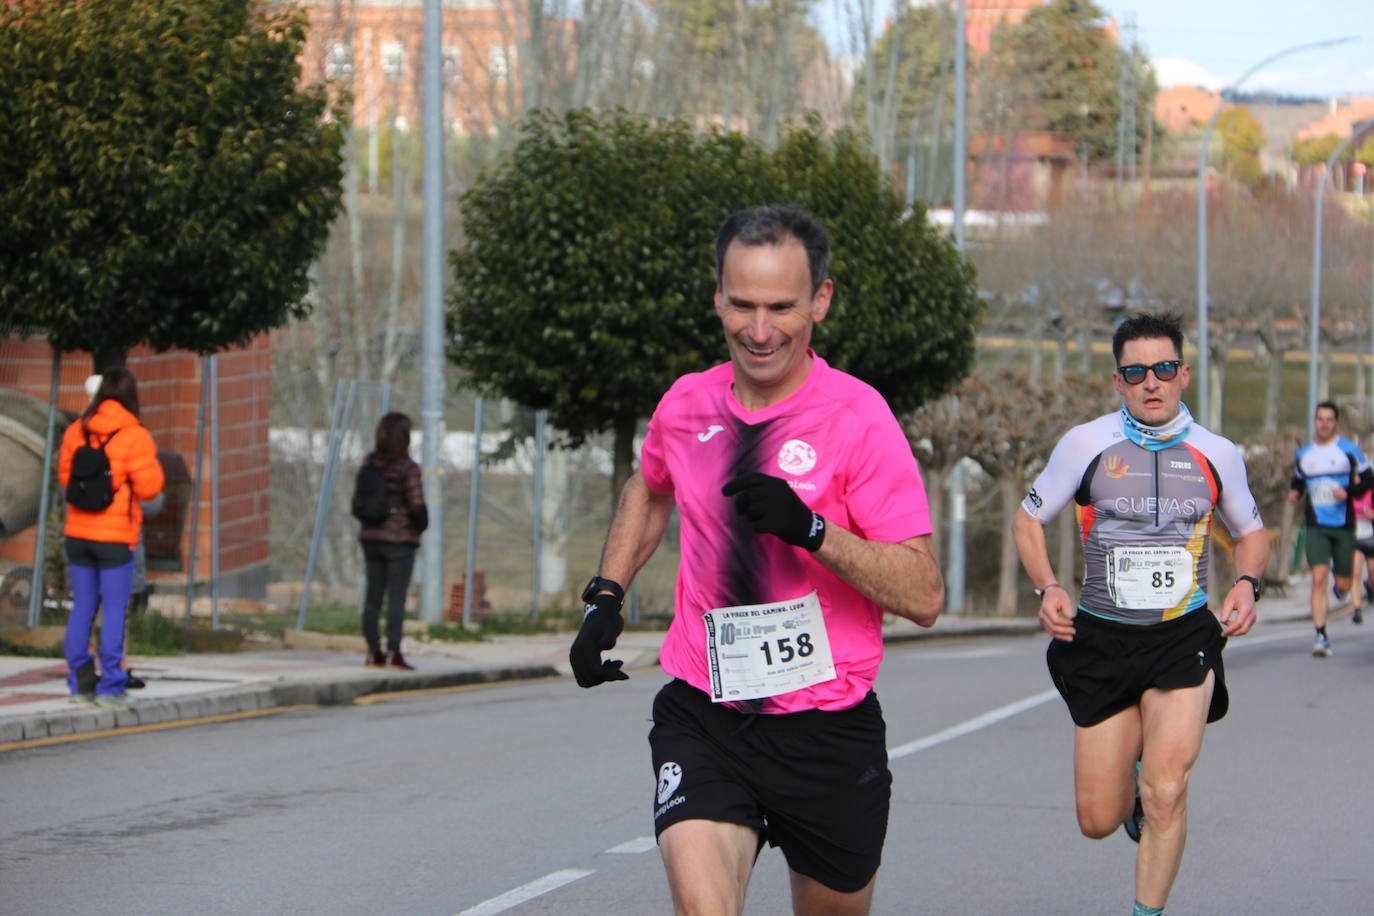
(1145, 515)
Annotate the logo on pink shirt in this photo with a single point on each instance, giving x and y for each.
(796, 457)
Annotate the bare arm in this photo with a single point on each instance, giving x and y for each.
(1251, 553)
(1056, 607)
(904, 577)
(640, 518)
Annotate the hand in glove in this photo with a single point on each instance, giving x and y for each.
(772, 508)
(601, 624)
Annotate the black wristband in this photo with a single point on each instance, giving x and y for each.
(599, 584)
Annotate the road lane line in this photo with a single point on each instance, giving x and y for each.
(643, 844)
(972, 725)
(525, 892)
(638, 844)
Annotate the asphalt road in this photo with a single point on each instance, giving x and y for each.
(535, 798)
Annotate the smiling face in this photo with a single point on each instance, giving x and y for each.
(767, 308)
(1152, 402)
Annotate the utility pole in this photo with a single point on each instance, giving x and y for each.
(432, 315)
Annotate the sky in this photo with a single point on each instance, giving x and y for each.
(1213, 42)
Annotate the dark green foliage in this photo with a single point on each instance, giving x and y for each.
(585, 284)
(586, 280)
(163, 180)
(1060, 70)
(906, 307)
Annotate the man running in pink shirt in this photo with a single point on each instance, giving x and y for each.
(803, 517)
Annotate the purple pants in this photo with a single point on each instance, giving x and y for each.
(107, 589)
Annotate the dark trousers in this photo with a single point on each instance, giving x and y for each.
(388, 572)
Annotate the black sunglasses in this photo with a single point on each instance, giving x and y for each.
(1164, 371)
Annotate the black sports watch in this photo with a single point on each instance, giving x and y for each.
(598, 584)
(1254, 583)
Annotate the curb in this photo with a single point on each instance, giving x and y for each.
(88, 719)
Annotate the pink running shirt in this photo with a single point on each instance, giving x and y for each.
(837, 443)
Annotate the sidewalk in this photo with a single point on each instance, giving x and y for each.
(35, 704)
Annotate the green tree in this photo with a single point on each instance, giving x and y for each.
(585, 280)
(583, 284)
(163, 178)
(904, 92)
(1316, 150)
(1060, 69)
(1365, 153)
(906, 304)
(1242, 140)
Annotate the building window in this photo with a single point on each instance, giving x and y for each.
(339, 61)
(393, 59)
(501, 61)
(453, 62)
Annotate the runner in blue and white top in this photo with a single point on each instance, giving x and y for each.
(1333, 473)
(1137, 656)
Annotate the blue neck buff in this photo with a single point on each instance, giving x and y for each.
(1157, 438)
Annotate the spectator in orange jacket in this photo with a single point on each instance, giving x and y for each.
(100, 543)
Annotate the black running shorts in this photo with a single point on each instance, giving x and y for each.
(1109, 664)
(815, 784)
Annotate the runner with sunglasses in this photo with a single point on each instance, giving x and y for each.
(1333, 472)
(1137, 657)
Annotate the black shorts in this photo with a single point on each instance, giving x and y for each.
(815, 784)
(1109, 665)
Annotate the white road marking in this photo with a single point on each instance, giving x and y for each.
(638, 844)
(972, 725)
(645, 843)
(526, 892)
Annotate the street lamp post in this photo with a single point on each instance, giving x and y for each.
(1316, 312)
(1204, 358)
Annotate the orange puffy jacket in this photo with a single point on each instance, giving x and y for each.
(134, 467)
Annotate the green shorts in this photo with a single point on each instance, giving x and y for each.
(1334, 547)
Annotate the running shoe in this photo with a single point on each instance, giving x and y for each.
(1358, 616)
(1322, 647)
(375, 659)
(1136, 822)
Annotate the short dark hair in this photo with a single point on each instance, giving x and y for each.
(773, 225)
(1147, 326)
(115, 385)
(393, 436)
(1335, 411)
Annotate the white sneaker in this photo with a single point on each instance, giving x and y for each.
(115, 700)
(1321, 649)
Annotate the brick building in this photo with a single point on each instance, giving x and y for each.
(1181, 109)
(169, 386)
(375, 47)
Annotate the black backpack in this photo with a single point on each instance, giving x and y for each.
(91, 484)
(371, 496)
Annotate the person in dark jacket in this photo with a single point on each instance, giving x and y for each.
(389, 548)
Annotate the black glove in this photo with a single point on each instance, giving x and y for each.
(772, 508)
(601, 624)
